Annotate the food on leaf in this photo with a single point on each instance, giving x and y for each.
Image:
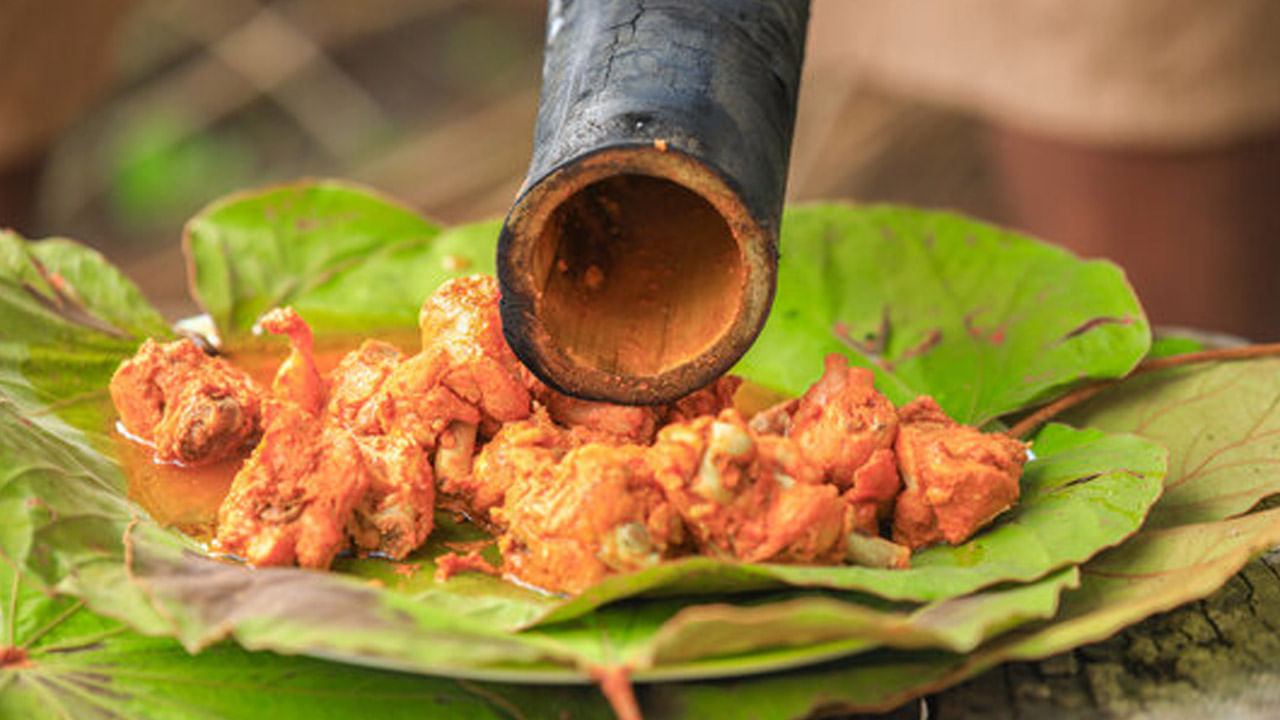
(452, 563)
(193, 408)
(754, 498)
(576, 490)
(293, 499)
(521, 449)
(339, 255)
(848, 428)
(358, 377)
(298, 379)
(598, 510)
(461, 320)
(958, 479)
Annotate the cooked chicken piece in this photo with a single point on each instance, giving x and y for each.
(193, 408)
(465, 372)
(875, 487)
(635, 424)
(847, 428)
(754, 498)
(775, 420)
(415, 399)
(298, 380)
(314, 485)
(843, 420)
(599, 511)
(590, 420)
(958, 479)
(710, 400)
(804, 523)
(397, 511)
(522, 449)
(358, 377)
(293, 499)
(462, 319)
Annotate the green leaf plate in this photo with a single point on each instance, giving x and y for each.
(348, 259)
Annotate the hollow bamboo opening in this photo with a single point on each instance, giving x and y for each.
(634, 275)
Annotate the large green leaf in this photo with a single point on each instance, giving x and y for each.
(74, 664)
(350, 260)
(68, 318)
(245, 230)
(1221, 423)
(346, 258)
(985, 320)
(464, 625)
(90, 540)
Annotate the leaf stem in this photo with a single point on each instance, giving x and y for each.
(615, 684)
(13, 611)
(71, 609)
(85, 642)
(1028, 424)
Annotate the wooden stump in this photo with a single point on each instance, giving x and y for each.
(1217, 658)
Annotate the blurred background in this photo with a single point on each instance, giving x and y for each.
(1146, 131)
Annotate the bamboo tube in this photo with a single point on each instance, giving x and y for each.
(639, 260)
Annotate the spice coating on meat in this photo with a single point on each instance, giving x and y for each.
(957, 478)
(292, 500)
(193, 408)
(597, 511)
(748, 497)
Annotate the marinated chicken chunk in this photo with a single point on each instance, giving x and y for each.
(559, 424)
(193, 408)
(415, 399)
(294, 497)
(754, 498)
(315, 486)
(397, 511)
(602, 421)
(312, 489)
(358, 377)
(465, 373)
(846, 427)
(710, 400)
(599, 511)
(462, 320)
(297, 380)
(843, 421)
(957, 478)
(522, 449)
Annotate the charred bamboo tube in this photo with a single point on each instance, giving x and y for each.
(639, 260)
